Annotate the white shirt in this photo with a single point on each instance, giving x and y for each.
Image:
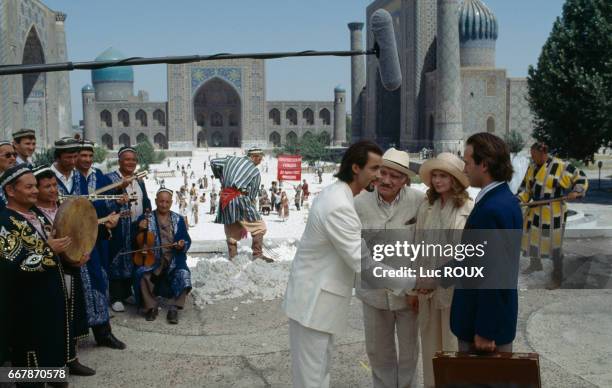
(133, 189)
(67, 181)
(486, 189)
(19, 160)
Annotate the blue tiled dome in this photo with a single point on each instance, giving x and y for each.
(112, 74)
(87, 88)
(476, 21)
(339, 89)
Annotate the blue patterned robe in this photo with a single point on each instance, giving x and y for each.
(121, 266)
(176, 278)
(95, 273)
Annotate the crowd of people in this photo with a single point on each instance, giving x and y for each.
(141, 249)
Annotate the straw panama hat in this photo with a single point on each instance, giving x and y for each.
(447, 162)
(398, 160)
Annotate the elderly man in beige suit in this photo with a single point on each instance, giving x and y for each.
(392, 205)
(321, 279)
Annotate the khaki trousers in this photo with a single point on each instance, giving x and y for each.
(234, 233)
(436, 336)
(390, 369)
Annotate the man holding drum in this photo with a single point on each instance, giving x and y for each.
(46, 204)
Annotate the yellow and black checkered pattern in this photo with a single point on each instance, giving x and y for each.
(544, 225)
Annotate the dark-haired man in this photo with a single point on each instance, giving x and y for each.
(24, 142)
(329, 254)
(66, 152)
(47, 204)
(485, 319)
(95, 273)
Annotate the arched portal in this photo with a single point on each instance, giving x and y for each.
(217, 105)
(275, 139)
(160, 140)
(34, 86)
(124, 140)
(107, 140)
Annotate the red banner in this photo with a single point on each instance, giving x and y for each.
(289, 168)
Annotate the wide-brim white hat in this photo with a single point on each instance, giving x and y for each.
(447, 162)
(398, 160)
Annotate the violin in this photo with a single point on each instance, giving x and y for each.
(145, 241)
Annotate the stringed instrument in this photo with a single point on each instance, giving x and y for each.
(122, 214)
(138, 175)
(144, 241)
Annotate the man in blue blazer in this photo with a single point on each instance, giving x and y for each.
(485, 319)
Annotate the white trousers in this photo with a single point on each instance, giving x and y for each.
(311, 354)
(390, 370)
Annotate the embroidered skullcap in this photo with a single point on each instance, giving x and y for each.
(5, 142)
(67, 144)
(255, 151)
(126, 149)
(13, 173)
(87, 145)
(24, 132)
(41, 169)
(165, 190)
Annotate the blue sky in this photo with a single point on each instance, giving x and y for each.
(183, 27)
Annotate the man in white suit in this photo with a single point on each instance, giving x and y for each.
(323, 269)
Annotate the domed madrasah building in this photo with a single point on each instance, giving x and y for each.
(451, 87)
(210, 104)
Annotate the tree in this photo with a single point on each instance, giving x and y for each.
(349, 128)
(311, 148)
(515, 141)
(45, 156)
(570, 91)
(100, 154)
(147, 154)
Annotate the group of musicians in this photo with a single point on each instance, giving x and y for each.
(73, 294)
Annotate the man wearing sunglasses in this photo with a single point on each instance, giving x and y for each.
(7, 159)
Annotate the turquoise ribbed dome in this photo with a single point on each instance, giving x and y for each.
(476, 21)
(112, 74)
(87, 88)
(339, 89)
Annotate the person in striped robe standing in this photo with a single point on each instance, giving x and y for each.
(240, 180)
(548, 178)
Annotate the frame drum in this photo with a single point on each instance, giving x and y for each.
(77, 219)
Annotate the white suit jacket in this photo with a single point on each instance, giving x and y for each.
(321, 280)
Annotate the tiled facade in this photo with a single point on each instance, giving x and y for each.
(31, 33)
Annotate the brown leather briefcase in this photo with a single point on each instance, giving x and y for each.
(456, 369)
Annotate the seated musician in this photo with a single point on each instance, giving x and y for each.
(167, 275)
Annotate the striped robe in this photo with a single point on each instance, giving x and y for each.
(543, 226)
(241, 173)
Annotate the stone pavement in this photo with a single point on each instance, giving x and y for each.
(231, 344)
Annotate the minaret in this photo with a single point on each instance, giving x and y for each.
(339, 116)
(64, 108)
(448, 134)
(89, 113)
(358, 78)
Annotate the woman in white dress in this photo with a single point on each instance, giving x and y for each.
(446, 206)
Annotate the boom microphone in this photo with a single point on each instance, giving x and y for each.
(384, 48)
(381, 24)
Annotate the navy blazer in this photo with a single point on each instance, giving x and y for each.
(491, 314)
